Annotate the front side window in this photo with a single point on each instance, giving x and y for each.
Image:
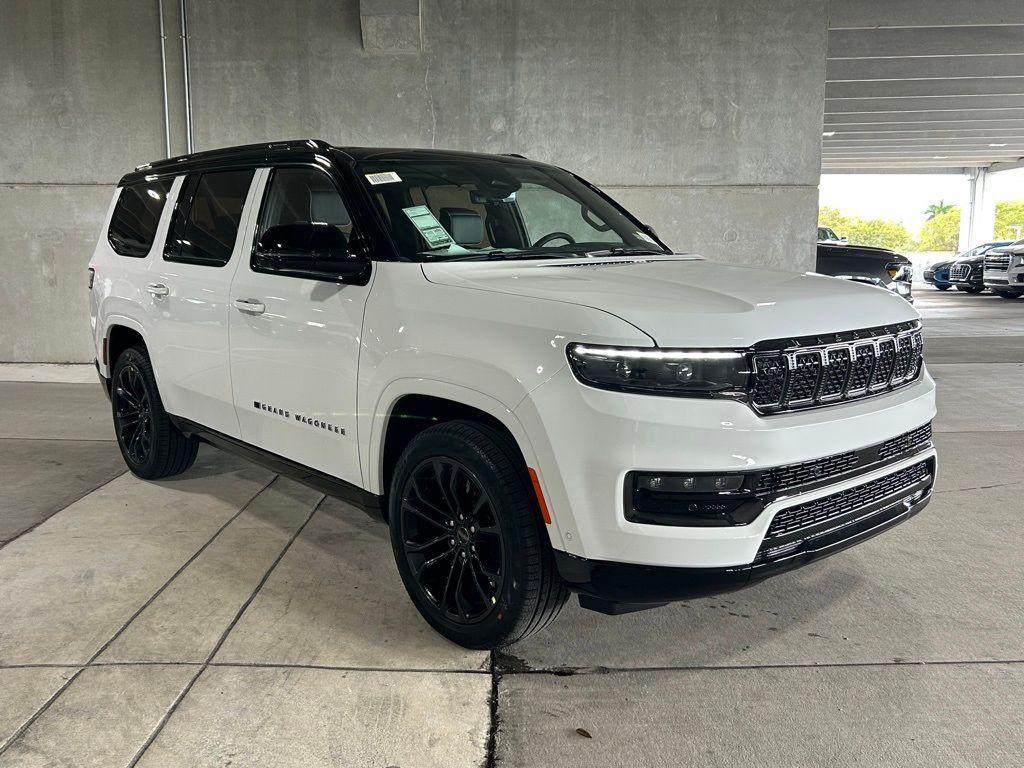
(206, 221)
(303, 196)
(136, 216)
(488, 209)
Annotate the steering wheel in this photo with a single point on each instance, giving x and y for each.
(553, 236)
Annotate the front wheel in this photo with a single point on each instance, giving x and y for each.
(1009, 294)
(151, 445)
(969, 288)
(943, 287)
(468, 539)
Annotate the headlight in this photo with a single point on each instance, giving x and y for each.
(679, 372)
(898, 271)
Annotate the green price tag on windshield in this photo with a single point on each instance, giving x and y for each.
(428, 226)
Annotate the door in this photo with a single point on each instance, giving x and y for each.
(189, 287)
(295, 338)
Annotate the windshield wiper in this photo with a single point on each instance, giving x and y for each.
(626, 251)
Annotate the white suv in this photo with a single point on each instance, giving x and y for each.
(535, 393)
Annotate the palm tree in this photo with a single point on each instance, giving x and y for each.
(935, 209)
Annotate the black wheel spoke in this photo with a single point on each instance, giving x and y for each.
(491, 577)
(426, 564)
(458, 592)
(427, 503)
(412, 546)
(439, 477)
(480, 590)
(419, 513)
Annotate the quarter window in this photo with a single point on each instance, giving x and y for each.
(136, 216)
(206, 222)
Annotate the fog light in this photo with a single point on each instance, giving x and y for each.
(690, 483)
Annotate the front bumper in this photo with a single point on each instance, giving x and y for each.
(587, 441)
(617, 587)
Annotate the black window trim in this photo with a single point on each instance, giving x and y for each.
(346, 198)
(193, 178)
(163, 207)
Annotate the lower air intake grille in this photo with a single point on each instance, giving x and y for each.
(843, 502)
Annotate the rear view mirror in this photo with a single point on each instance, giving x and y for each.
(311, 249)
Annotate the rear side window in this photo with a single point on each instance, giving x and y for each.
(206, 221)
(136, 215)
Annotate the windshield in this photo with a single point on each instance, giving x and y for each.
(489, 209)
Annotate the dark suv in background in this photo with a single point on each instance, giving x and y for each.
(967, 272)
(866, 264)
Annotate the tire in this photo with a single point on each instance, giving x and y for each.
(150, 444)
(487, 579)
(1008, 294)
(944, 287)
(973, 289)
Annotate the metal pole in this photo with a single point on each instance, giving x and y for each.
(163, 75)
(188, 79)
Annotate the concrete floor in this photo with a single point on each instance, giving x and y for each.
(229, 617)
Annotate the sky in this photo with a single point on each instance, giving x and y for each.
(905, 197)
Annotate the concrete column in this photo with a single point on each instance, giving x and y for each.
(978, 221)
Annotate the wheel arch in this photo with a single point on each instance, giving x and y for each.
(408, 407)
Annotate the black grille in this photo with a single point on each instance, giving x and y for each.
(843, 502)
(902, 443)
(885, 362)
(829, 468)
(805, 377)
(769, 380)
(852, 365)
(836, 372)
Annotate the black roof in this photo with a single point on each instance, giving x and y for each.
(298, 149)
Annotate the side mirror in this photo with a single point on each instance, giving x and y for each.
(312, 249)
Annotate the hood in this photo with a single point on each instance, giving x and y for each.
(687, 301)
(867, 250)
(979, 259)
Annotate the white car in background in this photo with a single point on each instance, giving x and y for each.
(1004, 270)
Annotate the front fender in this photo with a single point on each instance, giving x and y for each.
(396, 390)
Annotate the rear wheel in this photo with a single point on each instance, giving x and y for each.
(468, 539)
(151, 445)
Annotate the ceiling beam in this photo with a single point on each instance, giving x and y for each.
(924, 41)
(872, 14)
(923, 104)
(874, 89)
(925, 68)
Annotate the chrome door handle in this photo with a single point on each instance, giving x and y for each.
(158, 289)
(251, 306)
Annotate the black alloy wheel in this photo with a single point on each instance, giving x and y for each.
(453, 543)
(468, 538)
(151, 445)
(133, 417)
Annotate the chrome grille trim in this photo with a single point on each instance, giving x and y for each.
(799, 375)
(960, 272)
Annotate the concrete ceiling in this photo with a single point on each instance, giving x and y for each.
(924, 85)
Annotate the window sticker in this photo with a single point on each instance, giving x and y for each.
(384, 177)
(428, 226)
